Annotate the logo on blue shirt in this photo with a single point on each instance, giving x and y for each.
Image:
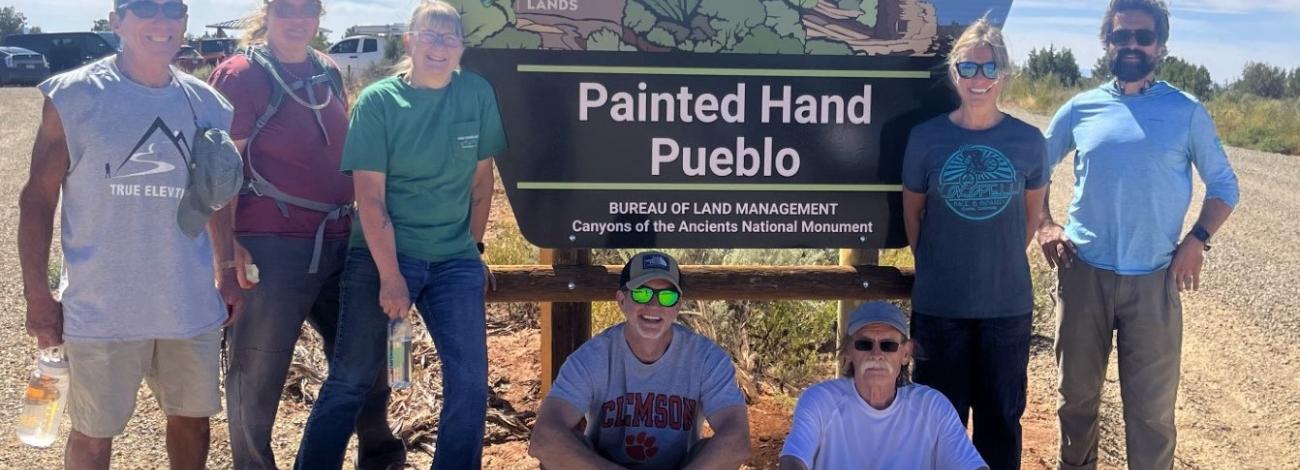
(977, 181)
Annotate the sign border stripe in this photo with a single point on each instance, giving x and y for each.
(725, 187)
(720, 71)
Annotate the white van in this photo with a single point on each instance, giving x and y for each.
(356, 54)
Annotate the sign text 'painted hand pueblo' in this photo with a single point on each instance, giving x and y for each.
(713, 123)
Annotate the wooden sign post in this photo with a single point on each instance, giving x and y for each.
(565, 325)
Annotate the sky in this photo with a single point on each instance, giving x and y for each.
(1222, 35)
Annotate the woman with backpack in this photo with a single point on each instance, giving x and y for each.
(420, 148)
(292, 223)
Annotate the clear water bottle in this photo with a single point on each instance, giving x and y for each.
(47, 393)
(399, 353)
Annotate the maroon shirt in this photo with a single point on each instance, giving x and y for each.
(290, 151)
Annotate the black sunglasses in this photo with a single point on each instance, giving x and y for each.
(285, 10)
(968, 69)
(145, 9)
(865, 345)
(1121, 37)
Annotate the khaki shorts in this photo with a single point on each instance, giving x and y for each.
(183, 374)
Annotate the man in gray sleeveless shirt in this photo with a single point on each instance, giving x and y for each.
(136, 296)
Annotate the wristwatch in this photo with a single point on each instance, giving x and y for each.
(1201, 234)
(481, 247)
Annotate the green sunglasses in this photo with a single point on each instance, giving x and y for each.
(667, 297)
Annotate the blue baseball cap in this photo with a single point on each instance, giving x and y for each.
(877, 312)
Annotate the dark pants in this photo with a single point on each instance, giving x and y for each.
(261, 346)
(449, 296)
(980, 365)
(1143, 315)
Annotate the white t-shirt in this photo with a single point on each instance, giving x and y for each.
(647, 416)
(835, 428)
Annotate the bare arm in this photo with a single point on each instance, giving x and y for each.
(1189, 258)
(557, 445)
(1057, 248)
(913, 212)
(372, 207)
(37, 204)
(481, 199)
(729, 446)
(790, 462)
(1034, 206)
(229, 272)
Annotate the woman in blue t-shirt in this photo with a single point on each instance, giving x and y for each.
(972, 179)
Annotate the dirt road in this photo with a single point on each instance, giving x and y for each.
(1239, 406)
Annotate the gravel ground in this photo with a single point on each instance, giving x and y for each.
(1239, 405)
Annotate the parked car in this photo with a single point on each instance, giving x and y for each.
(356, 54)
(22, 66)
(188, 59)
(216, 50)
(65, 51)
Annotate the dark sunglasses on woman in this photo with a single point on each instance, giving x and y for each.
(968, 69)
(285, 10)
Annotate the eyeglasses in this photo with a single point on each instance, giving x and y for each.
(145, 9)
(285, 10)
(667, 297)
(968, 69)
(1121, 37)
(430, 38)
(865, 345)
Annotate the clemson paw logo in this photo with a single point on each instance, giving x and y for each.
(640, 446)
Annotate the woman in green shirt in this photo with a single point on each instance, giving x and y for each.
(420, 148)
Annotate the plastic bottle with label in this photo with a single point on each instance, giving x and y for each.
(47, 393)
(399, 353)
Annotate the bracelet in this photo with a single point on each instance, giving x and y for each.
(228, 264)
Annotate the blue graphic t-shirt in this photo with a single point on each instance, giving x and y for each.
(970, 255)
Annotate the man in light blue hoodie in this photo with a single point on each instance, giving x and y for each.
(1121, 264)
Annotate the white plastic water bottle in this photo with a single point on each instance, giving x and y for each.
(47, 392)
(399, 353)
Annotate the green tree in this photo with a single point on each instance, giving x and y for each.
(1101, 69)
(1263, 80)
(1194, 79)
(1053, 62)
(101, 25)
(34, 30)
(1293, 84)
(12, 21)
(320, 42)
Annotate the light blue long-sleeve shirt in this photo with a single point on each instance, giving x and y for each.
(1133, 172)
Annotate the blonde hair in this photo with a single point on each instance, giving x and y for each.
(255, 24)
(429, 13)
(981, 33)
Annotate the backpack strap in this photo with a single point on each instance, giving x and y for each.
(258, 184)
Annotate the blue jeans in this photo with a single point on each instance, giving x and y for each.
(260, 347)
(980, 365)
(449, 296)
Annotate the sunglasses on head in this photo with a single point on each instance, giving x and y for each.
(145, 9)
(866, 345)
(430, 38)
(968, 69)
(667, 297)
(287, 11)
(1121, 37)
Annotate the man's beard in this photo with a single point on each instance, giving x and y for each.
(1131, 71)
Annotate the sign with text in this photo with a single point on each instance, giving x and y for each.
(712, 124)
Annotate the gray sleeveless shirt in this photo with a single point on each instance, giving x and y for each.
(129, 273)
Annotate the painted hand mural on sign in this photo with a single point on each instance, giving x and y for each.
(818, 27)
(712, 123)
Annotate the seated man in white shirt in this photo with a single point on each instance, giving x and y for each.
(873, 417)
